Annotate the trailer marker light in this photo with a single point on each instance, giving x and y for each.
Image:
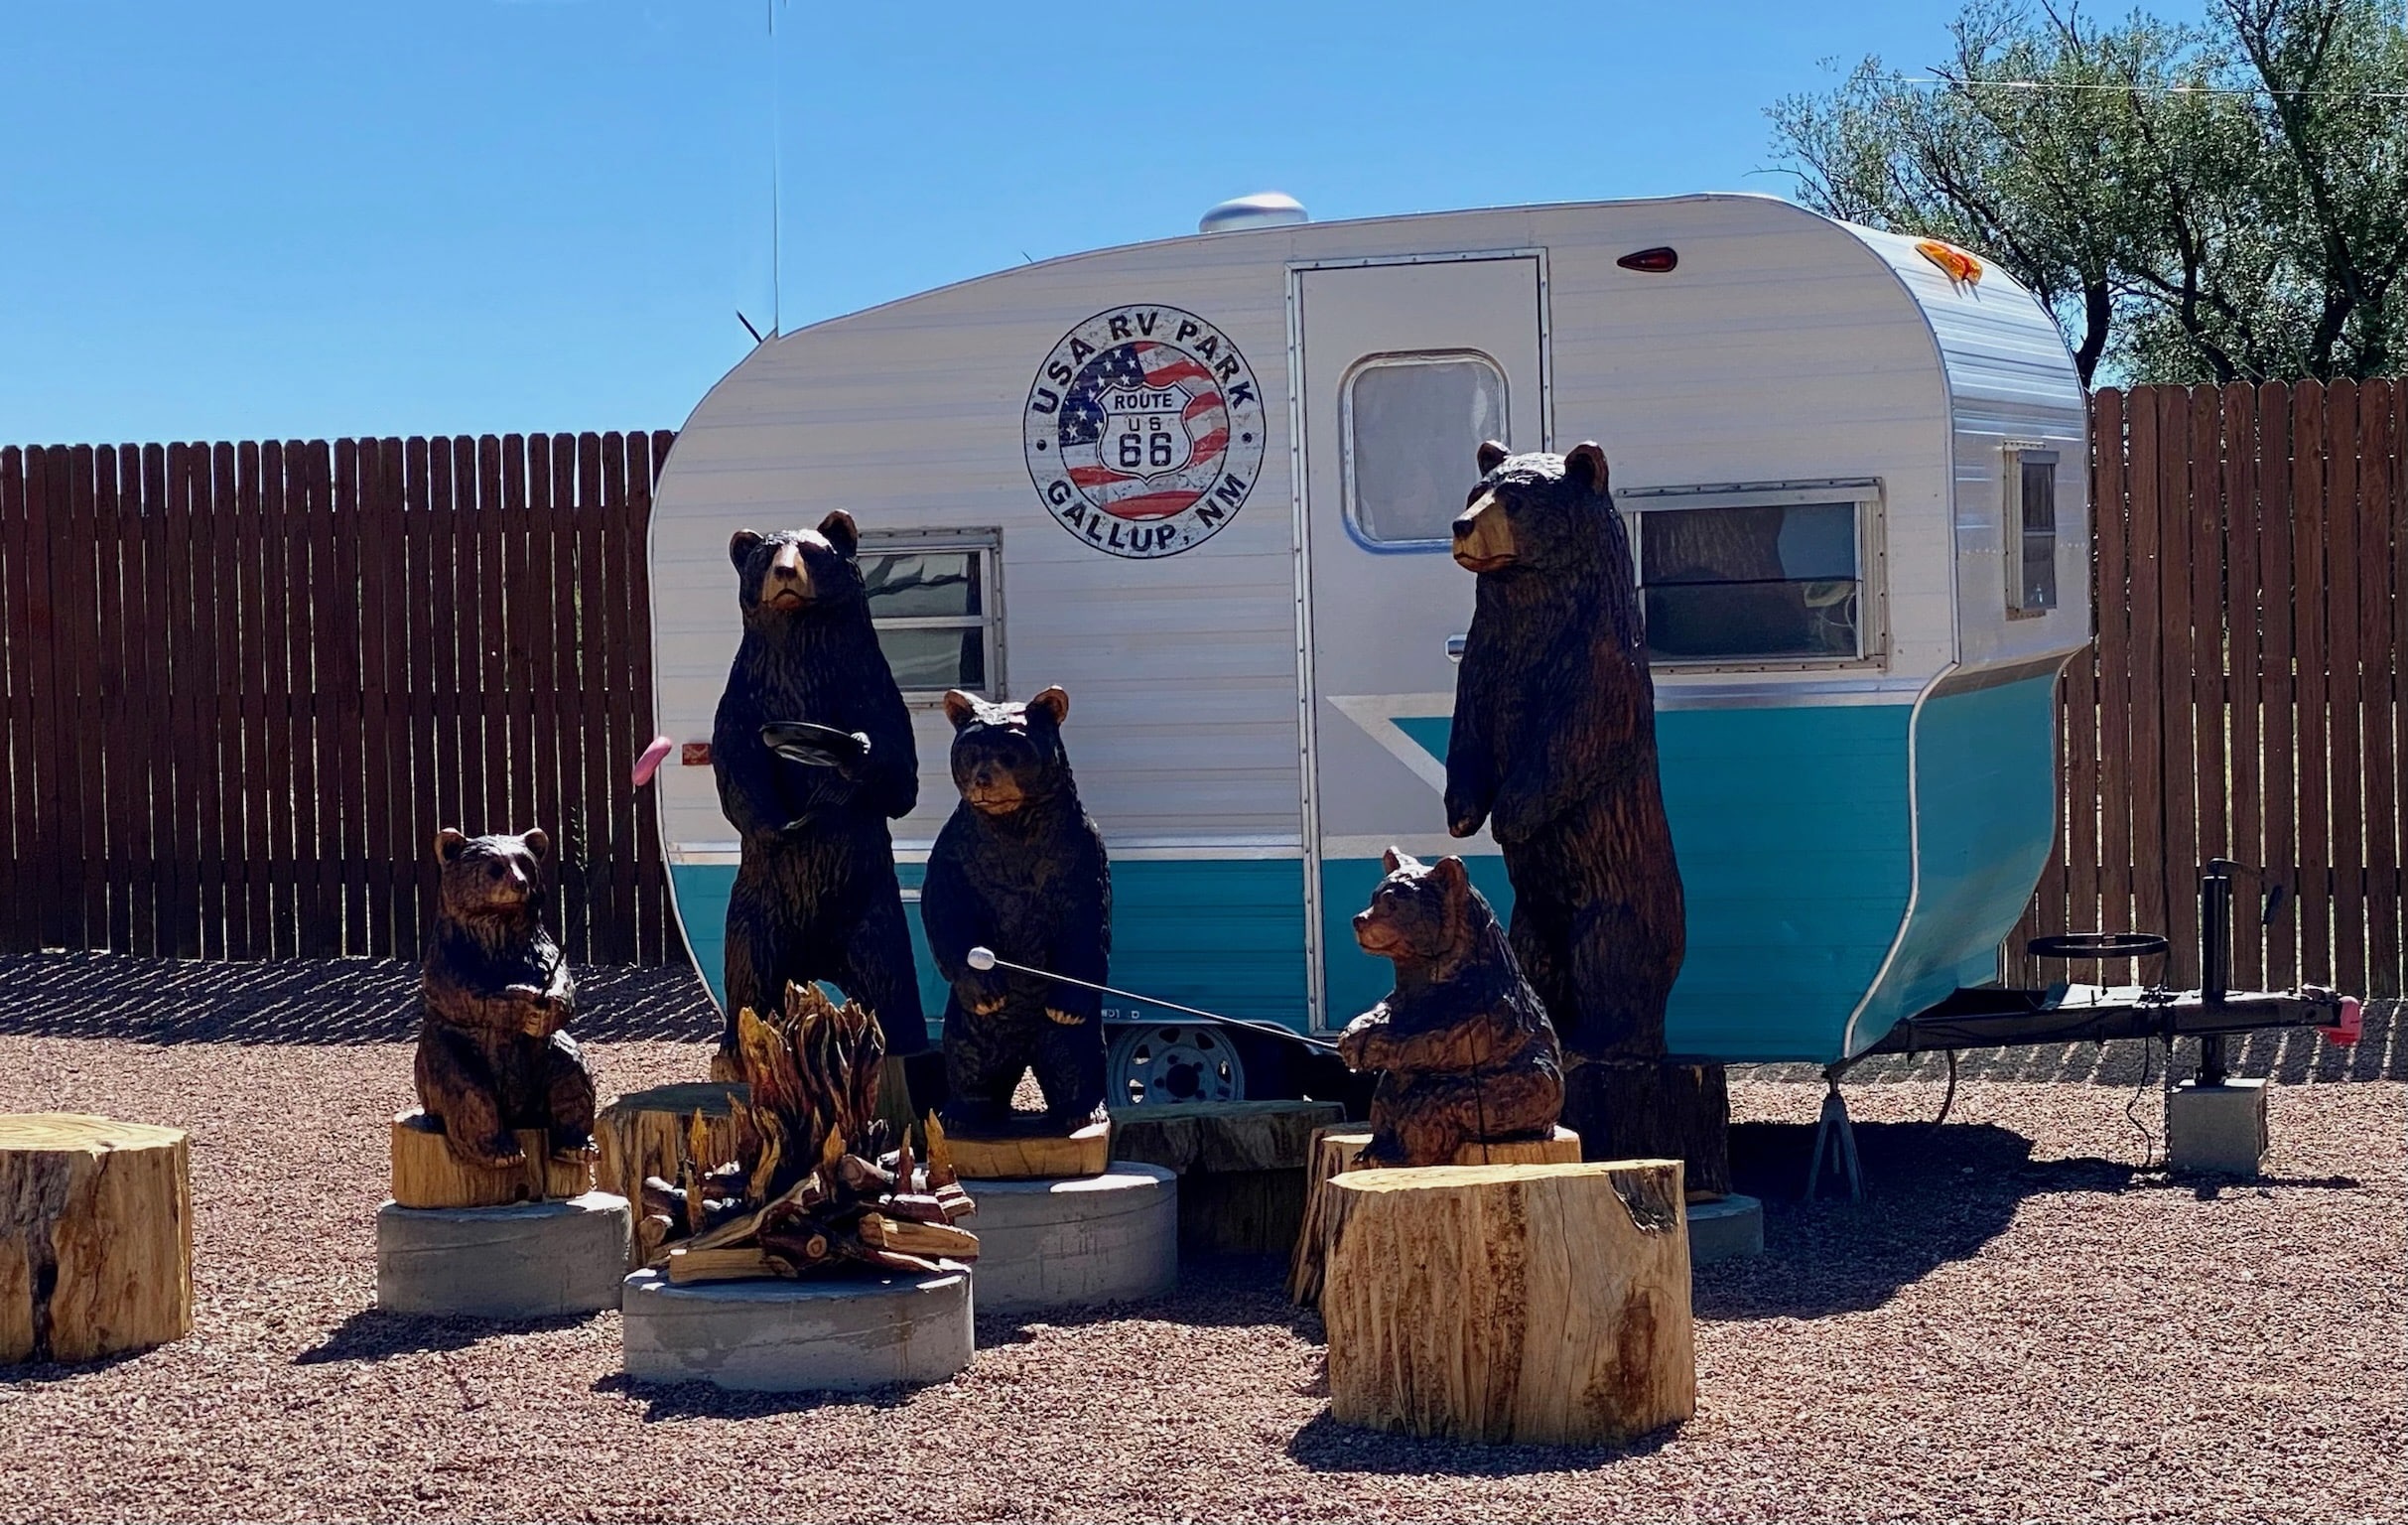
(1961, 268)
(1660, 261)
(2352, 1025)
(694, 755)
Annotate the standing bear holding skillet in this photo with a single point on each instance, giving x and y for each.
(494, 1002)
(1019, 869)
(816, 895)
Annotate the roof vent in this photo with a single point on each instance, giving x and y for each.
(1264, 208)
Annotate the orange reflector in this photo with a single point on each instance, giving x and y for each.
(1955, 262)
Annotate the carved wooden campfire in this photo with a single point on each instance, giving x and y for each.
(815, 1188)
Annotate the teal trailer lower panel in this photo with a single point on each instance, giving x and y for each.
(1224, 934)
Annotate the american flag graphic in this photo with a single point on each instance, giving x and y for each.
(1171, 470)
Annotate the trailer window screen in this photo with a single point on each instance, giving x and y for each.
(934, 605)
(1412, 425)
(2031, 536)
(1751, 583)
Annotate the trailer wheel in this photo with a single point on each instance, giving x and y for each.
(1154, 1063)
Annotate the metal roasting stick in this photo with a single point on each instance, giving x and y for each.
(982, 959)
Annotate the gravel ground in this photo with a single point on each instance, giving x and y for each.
(2020, 1321)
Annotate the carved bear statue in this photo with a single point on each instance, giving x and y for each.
(1464, 1047)
(494, 996)
(1019, 869)
(1553, 746)
(816, 895)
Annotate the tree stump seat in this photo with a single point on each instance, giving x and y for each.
(1242, 1187)
(1512, 1304)
(96, 1237)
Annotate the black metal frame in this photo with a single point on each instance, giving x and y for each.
(1993, 1016)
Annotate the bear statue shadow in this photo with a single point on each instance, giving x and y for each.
(816, 896)
(1463, 1045)
(1554, 747)
(494, 1000)
(1020, 870)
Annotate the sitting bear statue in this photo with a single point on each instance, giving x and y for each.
(494, 996)
(1019, 869)
(1464, 1047)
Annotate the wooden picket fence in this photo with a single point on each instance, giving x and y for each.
(245, 684)
(2243, 699)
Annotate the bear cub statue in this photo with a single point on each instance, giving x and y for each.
(1464, 1047)
(1019, 869)
(816, 895)
(494, 996)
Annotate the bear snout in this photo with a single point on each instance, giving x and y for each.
(788, 583)
(1484, 537)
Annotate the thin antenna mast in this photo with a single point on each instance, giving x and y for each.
(777, 309)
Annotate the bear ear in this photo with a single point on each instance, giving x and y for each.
(1585, 464)
(959, 707)
(450, 843)
(1393, 860)
(741, 545)
(1388, 861)
(841, 532)
(539, 842)
(1492, 455)
(1052, 701)
(1450, 876)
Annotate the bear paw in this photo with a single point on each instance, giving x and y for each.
(1066, 1019)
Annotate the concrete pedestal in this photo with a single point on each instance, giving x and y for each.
(1730, 1229)
(533, 1260)
(1075, 1241)
(843, 1335)
(2218, 1128)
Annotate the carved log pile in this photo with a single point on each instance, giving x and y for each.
(815, 1188)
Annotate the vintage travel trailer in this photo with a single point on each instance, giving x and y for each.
(1205, 485)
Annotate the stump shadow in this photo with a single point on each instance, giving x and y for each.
(1324, 1445)
(664, 1402)
(1214, 1292)
(375, 1334)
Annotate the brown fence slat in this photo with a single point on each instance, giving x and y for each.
(546, 672)
(76, 593)
(593, 805)
(645, 457)
(424, 609)
(20, 931)
(2347, 848)
(2311, 439)
(2207, 779)
(519, 604)
(618, 694)
(131, 723)
(2244, 623)
(493, 702)
(348, 672)
(379, 526)
(2379, 513)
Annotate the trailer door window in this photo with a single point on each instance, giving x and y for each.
(1412, 424)
(934, 602)
(1747, 583)
(2032, 533)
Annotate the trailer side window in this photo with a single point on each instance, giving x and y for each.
(935, 605)
(1746, 582)
(1412, 424)
(2032, 533)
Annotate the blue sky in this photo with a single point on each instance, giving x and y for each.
(253, 220)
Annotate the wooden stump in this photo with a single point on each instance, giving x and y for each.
(1525, 1304)
(643, 1133)
(1240, 1164)
(1624, 1109)
(426, 1173)
(1332, 1153)
(96, 1237)
(1032, 1157)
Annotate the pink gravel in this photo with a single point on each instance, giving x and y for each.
(2020, 1322)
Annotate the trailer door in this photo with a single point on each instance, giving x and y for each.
(1406, 368)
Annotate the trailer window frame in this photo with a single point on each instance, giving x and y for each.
(2019, 537)
(1348, 496)
(985, 548)
(1862, 494)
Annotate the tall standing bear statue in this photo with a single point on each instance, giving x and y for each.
(1554, 747)
(816, 895)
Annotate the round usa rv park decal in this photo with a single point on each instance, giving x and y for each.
(1143, 431)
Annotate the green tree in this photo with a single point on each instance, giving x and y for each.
(2221, 202)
